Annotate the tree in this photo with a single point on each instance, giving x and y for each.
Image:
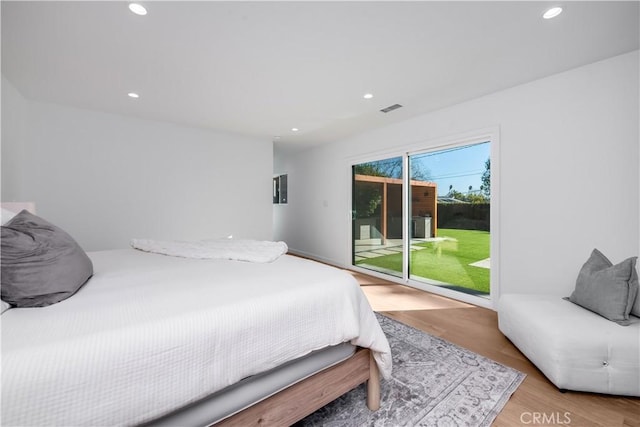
(470, 197)
(475, 198)
(455, 194)
(486, 179)
(367, 201)
(392, 168)
(420, 173)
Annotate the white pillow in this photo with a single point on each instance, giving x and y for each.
(7, 215)
(5, 306)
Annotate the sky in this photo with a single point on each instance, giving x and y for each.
(461, 167)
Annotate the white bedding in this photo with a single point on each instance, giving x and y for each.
(149, 334)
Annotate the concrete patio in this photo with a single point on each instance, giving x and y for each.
(374, 248)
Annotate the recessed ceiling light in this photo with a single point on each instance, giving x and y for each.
(552, 13)
(294, 129)
(368, 96)
(133, 95)
(138, 9)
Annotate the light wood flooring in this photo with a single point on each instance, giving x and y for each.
(536, 402)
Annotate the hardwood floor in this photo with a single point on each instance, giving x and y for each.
(537, 401)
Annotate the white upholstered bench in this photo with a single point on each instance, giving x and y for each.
(575, 348)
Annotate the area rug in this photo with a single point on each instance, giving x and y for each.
(434, 383)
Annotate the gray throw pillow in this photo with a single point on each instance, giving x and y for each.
(607, 289)
(41, 264)
(635, 310)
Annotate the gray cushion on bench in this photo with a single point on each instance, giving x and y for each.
(606, 289)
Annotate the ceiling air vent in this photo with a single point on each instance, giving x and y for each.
(391, 108)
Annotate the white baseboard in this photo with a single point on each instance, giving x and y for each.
(318, 258)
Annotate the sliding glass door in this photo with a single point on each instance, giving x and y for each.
(425, 217)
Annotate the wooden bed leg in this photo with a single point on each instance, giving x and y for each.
(373, 385)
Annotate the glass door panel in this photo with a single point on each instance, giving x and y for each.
(449, 221)
(377, 218)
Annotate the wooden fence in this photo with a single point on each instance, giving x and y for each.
(466, 216)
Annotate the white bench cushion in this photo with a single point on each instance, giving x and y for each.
(575, 348)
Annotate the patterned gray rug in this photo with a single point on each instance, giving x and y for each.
(434, 383)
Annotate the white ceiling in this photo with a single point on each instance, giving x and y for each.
(261, 68)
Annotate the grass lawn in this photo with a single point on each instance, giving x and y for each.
(447, 261)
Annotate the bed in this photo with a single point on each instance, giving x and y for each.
(159, 340)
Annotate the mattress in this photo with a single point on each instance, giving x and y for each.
(574, 348)
(149, 334)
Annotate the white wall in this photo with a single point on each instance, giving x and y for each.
(568, 174)
(106, 178)
(14, 110)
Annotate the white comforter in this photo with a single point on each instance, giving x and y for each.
(149, 334)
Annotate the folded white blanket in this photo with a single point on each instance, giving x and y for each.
(232, 249)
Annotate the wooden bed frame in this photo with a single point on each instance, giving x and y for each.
(301, 399)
